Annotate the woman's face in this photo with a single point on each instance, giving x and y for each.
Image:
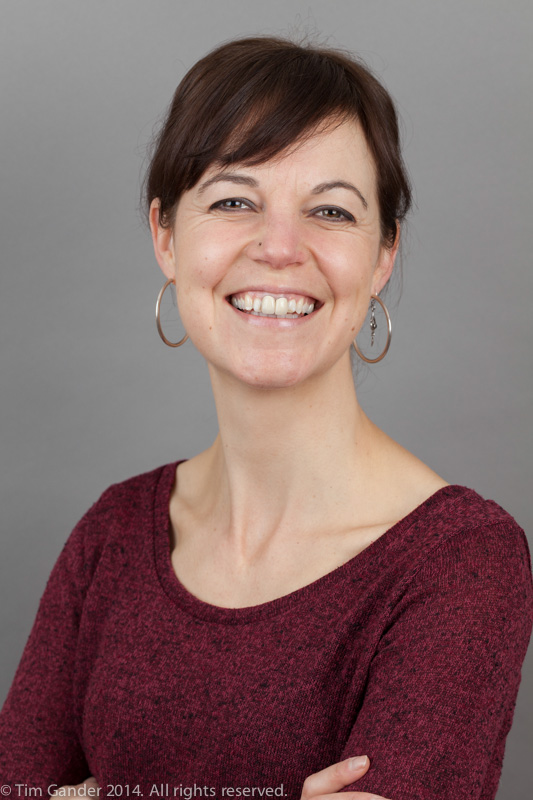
(301, 229)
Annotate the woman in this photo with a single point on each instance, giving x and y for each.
(305, 591)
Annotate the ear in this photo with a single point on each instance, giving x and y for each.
(384, 267)
(163, 242)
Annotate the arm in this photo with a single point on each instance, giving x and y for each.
(443, 682)
(39, 741)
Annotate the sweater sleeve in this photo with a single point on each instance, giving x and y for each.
(443, 682)
(39, 743)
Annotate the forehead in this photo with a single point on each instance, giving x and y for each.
(335, 151)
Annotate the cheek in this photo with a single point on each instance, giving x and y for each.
(350, 281)
(203, 259)
(348, 262)
(198, 275)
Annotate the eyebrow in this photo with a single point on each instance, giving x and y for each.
(245, 180)
(325, 187)
(232, 177)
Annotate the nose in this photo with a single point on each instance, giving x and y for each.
(278, 241)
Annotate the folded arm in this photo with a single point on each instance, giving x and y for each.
(39, 738)
(444, 680)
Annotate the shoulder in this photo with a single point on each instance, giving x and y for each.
(466, 565)
(472, 547)
(458, 518)
(441, 509)
(136, 494)
(119, 517)
(456, 512)
(459, 541)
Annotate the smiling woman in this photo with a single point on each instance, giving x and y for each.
(305, 591)
(301, 233)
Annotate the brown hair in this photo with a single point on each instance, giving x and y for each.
(251, 99)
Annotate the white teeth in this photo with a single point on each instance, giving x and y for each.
(268, 305)
(281, 307)
(271, 307)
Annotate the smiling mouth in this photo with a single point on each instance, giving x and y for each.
(280, 306)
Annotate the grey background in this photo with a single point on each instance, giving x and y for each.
(90, 395)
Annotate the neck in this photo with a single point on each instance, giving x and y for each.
(285, 459)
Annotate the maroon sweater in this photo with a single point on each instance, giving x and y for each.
(410, 652)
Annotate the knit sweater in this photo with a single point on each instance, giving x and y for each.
(410, 653)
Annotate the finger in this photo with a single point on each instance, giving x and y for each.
(89, 788)
(353, 796)
(335, 777)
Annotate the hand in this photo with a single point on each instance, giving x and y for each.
(89, 788)
(325, 783)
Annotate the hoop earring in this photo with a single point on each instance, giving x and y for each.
(373, 326)
(158, 320)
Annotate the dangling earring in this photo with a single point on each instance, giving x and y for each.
(373, 327)
(158, 320)
(373, 323)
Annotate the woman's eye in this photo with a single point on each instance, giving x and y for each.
(232, 204)
(334, 214)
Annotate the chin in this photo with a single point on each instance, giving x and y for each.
(279, 376)
(277, 383)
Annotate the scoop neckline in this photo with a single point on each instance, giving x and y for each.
(200, 609)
